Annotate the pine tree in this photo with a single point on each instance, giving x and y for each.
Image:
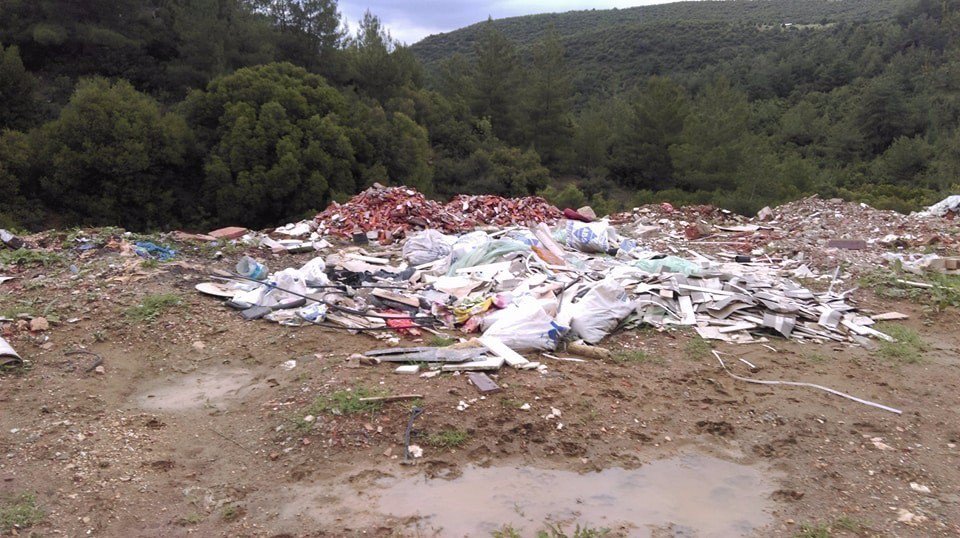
(496, 83)
(548, 102)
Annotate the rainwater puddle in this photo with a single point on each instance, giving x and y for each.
(687, 496)
(195, 391)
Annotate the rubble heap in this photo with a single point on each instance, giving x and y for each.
(391, 211)
(488, 210)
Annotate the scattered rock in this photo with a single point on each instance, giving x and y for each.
(39, 324)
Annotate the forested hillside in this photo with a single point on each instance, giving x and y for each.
(162, 113)
(664, 38)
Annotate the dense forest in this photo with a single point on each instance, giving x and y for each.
(161, 113)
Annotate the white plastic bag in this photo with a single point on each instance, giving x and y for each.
(589, 236)
(315, 271)
(526, 328)
(426, 246)
(599, 311)
(288, 279)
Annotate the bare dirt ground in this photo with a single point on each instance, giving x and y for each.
(195, 427)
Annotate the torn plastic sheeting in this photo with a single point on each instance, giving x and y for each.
(8, 356)
(457, 286)
(269, 295)
(487, 253)
(941, 208)
(672, 264)
(146, 249)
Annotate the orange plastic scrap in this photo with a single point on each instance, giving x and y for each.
(547, 256)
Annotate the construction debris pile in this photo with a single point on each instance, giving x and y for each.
(486, 210)
(821, 234)
(388, 213)
(535, 288)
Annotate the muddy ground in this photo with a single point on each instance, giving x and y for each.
(195, 427)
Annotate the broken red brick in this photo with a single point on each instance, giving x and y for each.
(231, 232)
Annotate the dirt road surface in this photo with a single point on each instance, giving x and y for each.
(198, 424)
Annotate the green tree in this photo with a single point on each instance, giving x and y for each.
(496, 83)
(654, 122)
(18, 88)
(396, 146)
(276, 143)
(112, 157)
(548, 102)
(14, 165)
(381, 67)
(904, 162)
(454, 79)
(508, 171)
(569, 196)
(884, 113)
(309, 34)
(712, 147)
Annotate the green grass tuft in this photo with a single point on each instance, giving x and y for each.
(908, 348)
(556, 531)
(448, 439)
(506, 531)
(635, 356)
(944, 293)
(441, 341)
(231, 512)
(697, 348)
(19, 511)
(152, 306)
(25, 257)
(345, 402)
(809, 530)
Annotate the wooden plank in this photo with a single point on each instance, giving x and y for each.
(368, 259)
(705, 290)
(489, 363)
(848, 244)
(498, 348)
(890, 316)
(396, 297)
(686, 309)
(483, 383)
(741, 326)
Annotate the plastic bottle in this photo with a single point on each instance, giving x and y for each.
(251, 268)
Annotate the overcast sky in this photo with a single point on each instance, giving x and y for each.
(412, 20)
